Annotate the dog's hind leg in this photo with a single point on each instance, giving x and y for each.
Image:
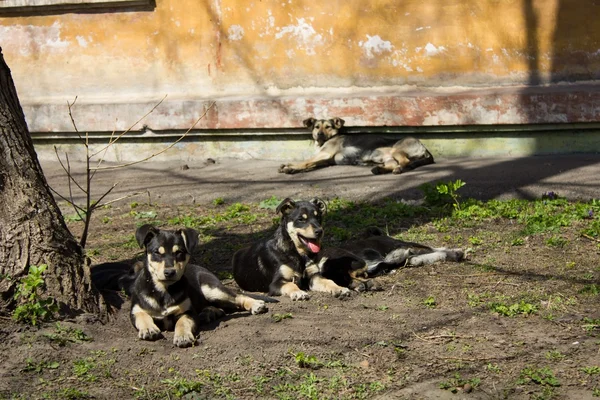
(440, 254)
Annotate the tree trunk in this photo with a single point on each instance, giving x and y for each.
(32, 228)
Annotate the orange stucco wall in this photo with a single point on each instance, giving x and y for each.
(270, 63)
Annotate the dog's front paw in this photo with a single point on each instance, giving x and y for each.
(287, 169)
(184, 339)
(150, 333)
(397, 171)
(259, 307)
(299, 295)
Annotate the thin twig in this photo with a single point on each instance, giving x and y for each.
(111, 142)
(469, 359)
(67, 171)
(428, 338)
(67, 200)
(163, 150)
(120, 198)
(70, 105)
(104, 195)
(589, 237)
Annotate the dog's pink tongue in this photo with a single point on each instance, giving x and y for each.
(312, 246)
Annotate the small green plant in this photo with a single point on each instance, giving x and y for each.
(39, 367)
(219, 201)
(429, 302)
(32, 308)
(475, 241)
(270, 204)
(63, 335)
(307, 361)
(281, 317)
(179, 387)
(520, 308)
(593, 289)
(83, 368)
(556, 241)
(517, 242)
(593, 370)
(541, 376)
(443, 193)
(493, 368)
(591, 324)
(382, 308)
(458, 383)
(554, 355)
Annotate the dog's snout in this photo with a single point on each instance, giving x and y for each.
(170, 273)
(318, 231)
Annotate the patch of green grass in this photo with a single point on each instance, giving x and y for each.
(83, 368)
(270, 204)
(554, 355)
(593, 370)
(556, 241)
(591, 324)
(32, 366)
(32, 307)
(475, 241)
(281, 317)
(307, 361)
(541, 376)
(458, 383)
(62, 336)
(219, 201)
(592, 290)
(429, 302)
(520, 308)
(179, 387)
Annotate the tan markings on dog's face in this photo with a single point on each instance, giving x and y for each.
(178, 309)
(175, 249)
(157, 271)
(323, 130)
(161, 250)
(288, 273)
(307, 232)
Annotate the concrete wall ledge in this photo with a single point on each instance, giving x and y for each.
(553, 104)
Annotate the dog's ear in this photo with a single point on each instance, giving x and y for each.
(286, 206)
(309, 122)
(338, 122)
(145, 233)
(320, 205)
(190, 238)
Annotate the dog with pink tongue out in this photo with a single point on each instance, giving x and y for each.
(287, 263)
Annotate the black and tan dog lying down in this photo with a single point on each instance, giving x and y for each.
(169, 293)
(291, 261)
(337, 148)
(377, 253)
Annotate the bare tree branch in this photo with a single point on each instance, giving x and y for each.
(111, 142)
(163, 150)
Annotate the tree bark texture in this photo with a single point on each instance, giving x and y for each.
(32, 228)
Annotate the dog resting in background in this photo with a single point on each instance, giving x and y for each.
(166, 291)
(375, 254)
(287, 262)
(335, 148)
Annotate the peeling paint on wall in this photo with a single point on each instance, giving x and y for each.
(375, 45)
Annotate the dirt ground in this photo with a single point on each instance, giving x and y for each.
(429, 334)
